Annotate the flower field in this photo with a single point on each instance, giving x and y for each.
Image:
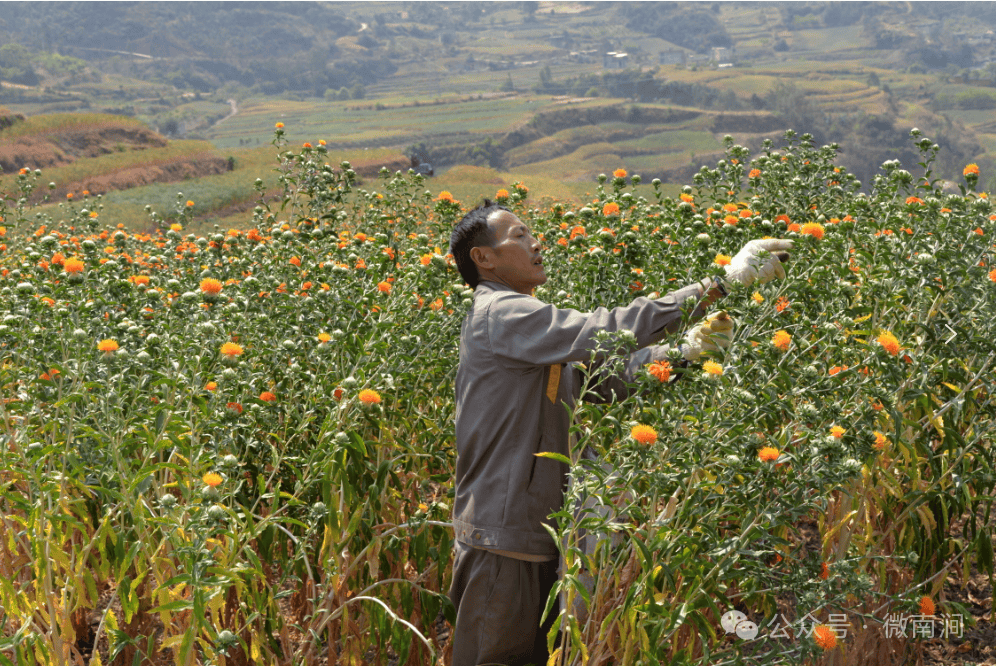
(238, 448)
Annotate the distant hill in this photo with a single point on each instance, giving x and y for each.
(100, 153)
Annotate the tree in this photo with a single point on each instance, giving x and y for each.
(545, 79)
(170, 127)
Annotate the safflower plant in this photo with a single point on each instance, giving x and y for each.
(259, 468)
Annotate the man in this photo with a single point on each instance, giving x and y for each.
(515, 376)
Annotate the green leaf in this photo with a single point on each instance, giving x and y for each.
(559, 457)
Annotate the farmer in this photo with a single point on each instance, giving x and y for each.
(517, 367)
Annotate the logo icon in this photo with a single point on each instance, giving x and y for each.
(736, 622)
(747, 630)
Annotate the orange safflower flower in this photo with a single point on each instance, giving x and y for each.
(782, 304)
(880, 440)
(210, 386)
(190, 204)
(369, 397)
(501, 194)
(384, 287)
(768, 454)
(837, 431)
(231, 349)
(644, 434)
(425, 259)
(610, 208)
(825, 637)
(337, 394)
(836, 369)
(324, 337)
(279, 125)
(295, 261)
(140, 280)
(795, 226)
(436, 305)
(731, 220)
(746, 212)
(926, 606)
(992, 275)
(73, 265)
(266, 396)
(306, 145)
(814, 229)
(889, 342)
(211, 286)
(824, 571)
(754, 173)
(783, 218)
(730, 208)
(212, 479)
(58, 259)
(444, 196)
(619, 173)
(781, 340)
(176, 226)
(107, 346)
(971, 170)
(914, 200)
(661, 370)
(578, 231)
(234, 406)
(722, 260)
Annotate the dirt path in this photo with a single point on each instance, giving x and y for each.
(235, 109)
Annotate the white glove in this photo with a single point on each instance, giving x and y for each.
(757, 261)
(713, 333)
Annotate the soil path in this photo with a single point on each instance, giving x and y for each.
(235, 109)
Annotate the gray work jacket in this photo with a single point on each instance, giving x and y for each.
(516, 374)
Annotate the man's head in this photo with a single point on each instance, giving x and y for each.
(491, 243)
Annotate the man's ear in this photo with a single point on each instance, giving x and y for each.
(483, 256)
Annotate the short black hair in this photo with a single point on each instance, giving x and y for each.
(470, 232)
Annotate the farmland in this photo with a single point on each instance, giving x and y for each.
(234, 447)
(228, 347)
(416, 76)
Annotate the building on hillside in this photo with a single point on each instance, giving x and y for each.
(614, 60)
(721, 54)
(584, 56)
(675, 57)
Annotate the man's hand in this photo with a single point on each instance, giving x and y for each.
(759, 260)
(713, 333)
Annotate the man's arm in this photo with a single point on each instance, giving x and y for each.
(525, 332)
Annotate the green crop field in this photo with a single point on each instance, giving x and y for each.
(228, 436)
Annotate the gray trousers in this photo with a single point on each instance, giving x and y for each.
(499, 601)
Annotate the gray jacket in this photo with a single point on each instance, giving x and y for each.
(516, 374)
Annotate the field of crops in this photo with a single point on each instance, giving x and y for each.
(238, 448)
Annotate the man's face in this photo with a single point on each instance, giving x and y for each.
(515, 258)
